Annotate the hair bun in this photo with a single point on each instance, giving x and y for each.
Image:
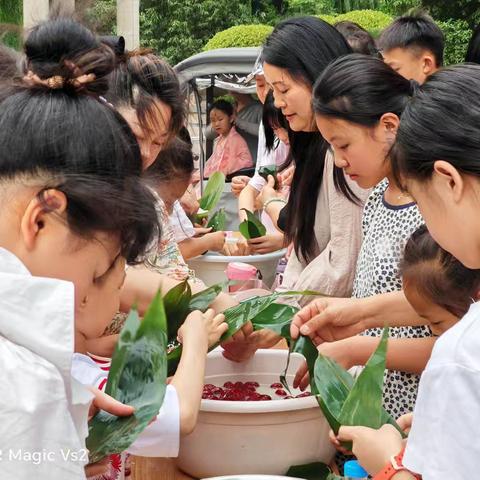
(64, 55)
(414, 87)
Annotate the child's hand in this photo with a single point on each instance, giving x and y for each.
(239, 183)
(405, 422)
(302, 377)
(373, 448)
(205, 328)
(216, 241)
(268, 191)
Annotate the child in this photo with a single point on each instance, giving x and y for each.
(72, 208)
(170, 176)
(181, 404)
(357, 37)
(231, 152)
(440, 165)
(413, 46)
(360, 121)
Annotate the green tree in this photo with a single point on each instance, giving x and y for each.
(468, 10)
(11, 16)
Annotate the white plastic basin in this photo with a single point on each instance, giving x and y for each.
(211, 267)
(265, 437)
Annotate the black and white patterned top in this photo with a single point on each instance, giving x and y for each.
(386, 229)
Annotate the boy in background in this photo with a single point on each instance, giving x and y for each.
(413, 46)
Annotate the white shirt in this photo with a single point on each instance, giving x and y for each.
(181, 224)
(43, 411)
(162, 437)
(444, 441)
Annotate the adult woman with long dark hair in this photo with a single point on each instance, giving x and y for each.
(326, 236)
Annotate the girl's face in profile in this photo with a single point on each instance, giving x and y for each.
(221, 122)
(449, 202)
(360, 151)
(294, 98)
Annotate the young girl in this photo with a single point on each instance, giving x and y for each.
(231, 151)
(360, 121)
(170, 176)
(437, 159)
(72, 206)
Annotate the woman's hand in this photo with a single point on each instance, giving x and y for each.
(329, 319)
(343, 352)
(286, 176)
(373, 448)
(268, 191)
(240, 248)
(271, 242)
(243, 345)
(239, 183)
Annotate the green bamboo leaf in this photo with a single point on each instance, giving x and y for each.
(276, 317)
(332, 384)
(177, 307)
(312, 471)
(218, 221)
(267, 170)
(213, 191)
(363, 406)
(252, 227)
(137, 378)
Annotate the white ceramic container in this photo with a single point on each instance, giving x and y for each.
(211, 267)
(265, 437)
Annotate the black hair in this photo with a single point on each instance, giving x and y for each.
(9, 63)
(473, 51)
(140, 79)
(441, 122)
(357, 37)
(417, 31)
(272, 117)
(304, 46)
(175, 162)
(68, 139)
(438, 275)
(224, 106)
(338, 92)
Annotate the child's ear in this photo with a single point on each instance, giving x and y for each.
(429, 64)
(450, 178)
(390, 123)
(39, 212)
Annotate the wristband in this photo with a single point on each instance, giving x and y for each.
(394, 466)
(275, 199)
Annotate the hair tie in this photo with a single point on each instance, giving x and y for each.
(57, 82)
(414, 87)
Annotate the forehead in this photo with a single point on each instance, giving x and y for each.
(396, 56)
(156, 123)
(275, 74)
(334, 129)
(215, 112)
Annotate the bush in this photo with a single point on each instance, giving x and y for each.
(240, 36)
(331, 19)
(457, 35)
(371, 20)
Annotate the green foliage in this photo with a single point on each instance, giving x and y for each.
(177, 29)
(240, 36)
(252, 227)
(468, 10)
(371, 20)
(11, 17)
(101, 16)
(398, 7)
(457, 35)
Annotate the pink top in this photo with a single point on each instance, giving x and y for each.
(231, 153)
